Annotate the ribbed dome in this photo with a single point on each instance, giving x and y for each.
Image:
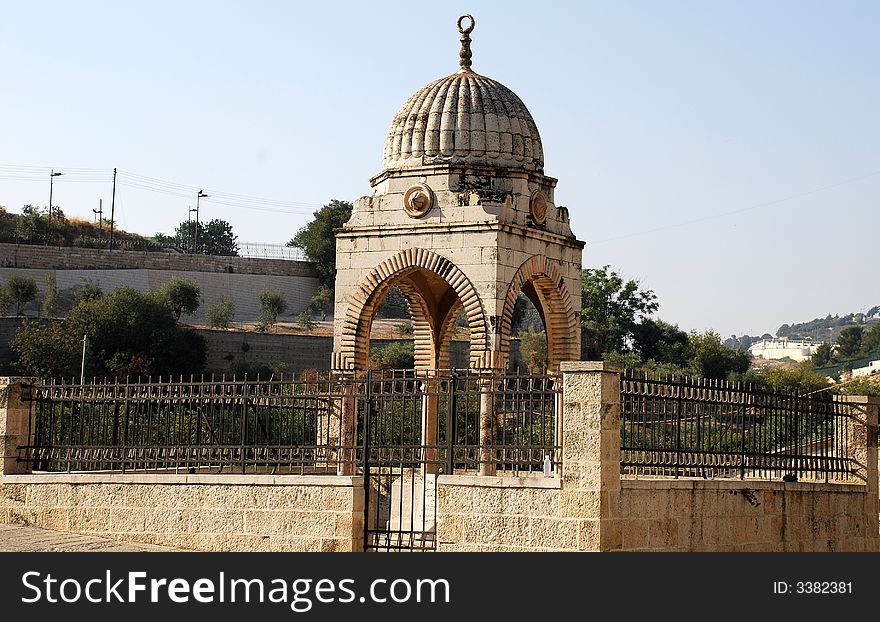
(464, 118)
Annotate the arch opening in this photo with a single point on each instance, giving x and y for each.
(540, 281)
(437, 294)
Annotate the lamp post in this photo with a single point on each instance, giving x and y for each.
(200, 195)
(52, 177)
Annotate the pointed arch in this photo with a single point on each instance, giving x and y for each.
(407, 270)
(540, 278)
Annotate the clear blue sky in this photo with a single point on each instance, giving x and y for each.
(727, 154)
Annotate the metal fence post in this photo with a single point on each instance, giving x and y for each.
(451, 415)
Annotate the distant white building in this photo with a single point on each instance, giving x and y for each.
(871, 368)
(783, 348)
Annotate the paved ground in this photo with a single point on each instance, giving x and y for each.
(27, 538)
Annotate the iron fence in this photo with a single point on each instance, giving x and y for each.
(312, 423)
(712, 429)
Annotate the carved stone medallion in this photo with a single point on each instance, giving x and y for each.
(418, 200)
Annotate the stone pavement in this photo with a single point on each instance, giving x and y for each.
(24, 538)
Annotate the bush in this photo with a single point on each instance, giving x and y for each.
(395, 355)
(50, 300)
(533, 348)
(181, 296)
(18, 290)
(272, 304)
(305, 321)
(220, 315)
(128, 333)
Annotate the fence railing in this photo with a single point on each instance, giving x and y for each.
(312, 423)
(713, 429)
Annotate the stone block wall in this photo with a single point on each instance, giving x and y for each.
(198, 512)
(712, 515)
(74, 258)
(502, 514)
(243, 289)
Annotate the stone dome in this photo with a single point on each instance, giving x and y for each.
(464, 118)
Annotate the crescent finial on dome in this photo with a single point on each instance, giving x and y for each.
(465, 55)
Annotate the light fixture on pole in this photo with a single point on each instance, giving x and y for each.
(52, 176)
(200, 195)
(99, 214)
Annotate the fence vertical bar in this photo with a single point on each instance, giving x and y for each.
(366, 458)
(742, 441)
(242, 439)
(451, 415)
(678, 434)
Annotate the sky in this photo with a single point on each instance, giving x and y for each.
(726, 155)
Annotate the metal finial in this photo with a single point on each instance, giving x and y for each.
(465, 54)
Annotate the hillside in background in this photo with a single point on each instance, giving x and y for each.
(818, 329)
(33, 226)
(829, 327)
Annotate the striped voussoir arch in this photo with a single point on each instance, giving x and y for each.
(355, 334)
(560, 318)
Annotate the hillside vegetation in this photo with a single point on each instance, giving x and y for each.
(33, 226)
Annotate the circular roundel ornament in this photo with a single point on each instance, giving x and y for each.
(418, 200)
(538, 207)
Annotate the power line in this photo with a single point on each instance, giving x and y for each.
(136, 181)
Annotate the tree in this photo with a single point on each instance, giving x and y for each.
(610, 309)
(128, 333)
(217, 238)
(323, 300)
(212, 238)
(272, 304)
(19, 290)
(305, 321)
(88, 291)
(318, 241)
(46, 351)
(533, 349)
(710, 359)
(871, 341)
(393, 305)
(395, 355)
(50, 299)
(849, 341)
(220, 315)
(658, 341)
(180, 295)
(802, 378)
(823, 355)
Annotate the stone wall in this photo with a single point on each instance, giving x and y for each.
(230, 350)
(712, 515)
(502, 514)
(199, 512)
(73, 258)
(243, 289)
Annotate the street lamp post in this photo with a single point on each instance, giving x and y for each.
(200, 195)
(52, 177)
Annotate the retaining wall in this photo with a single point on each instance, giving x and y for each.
(199, 512)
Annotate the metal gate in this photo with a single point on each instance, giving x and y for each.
(405, 449)
(418, 425)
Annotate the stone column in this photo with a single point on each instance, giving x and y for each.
(591, 452)
(487, 426)
(347, 426)
(430, 411)
(14, 417)
(863, 450)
